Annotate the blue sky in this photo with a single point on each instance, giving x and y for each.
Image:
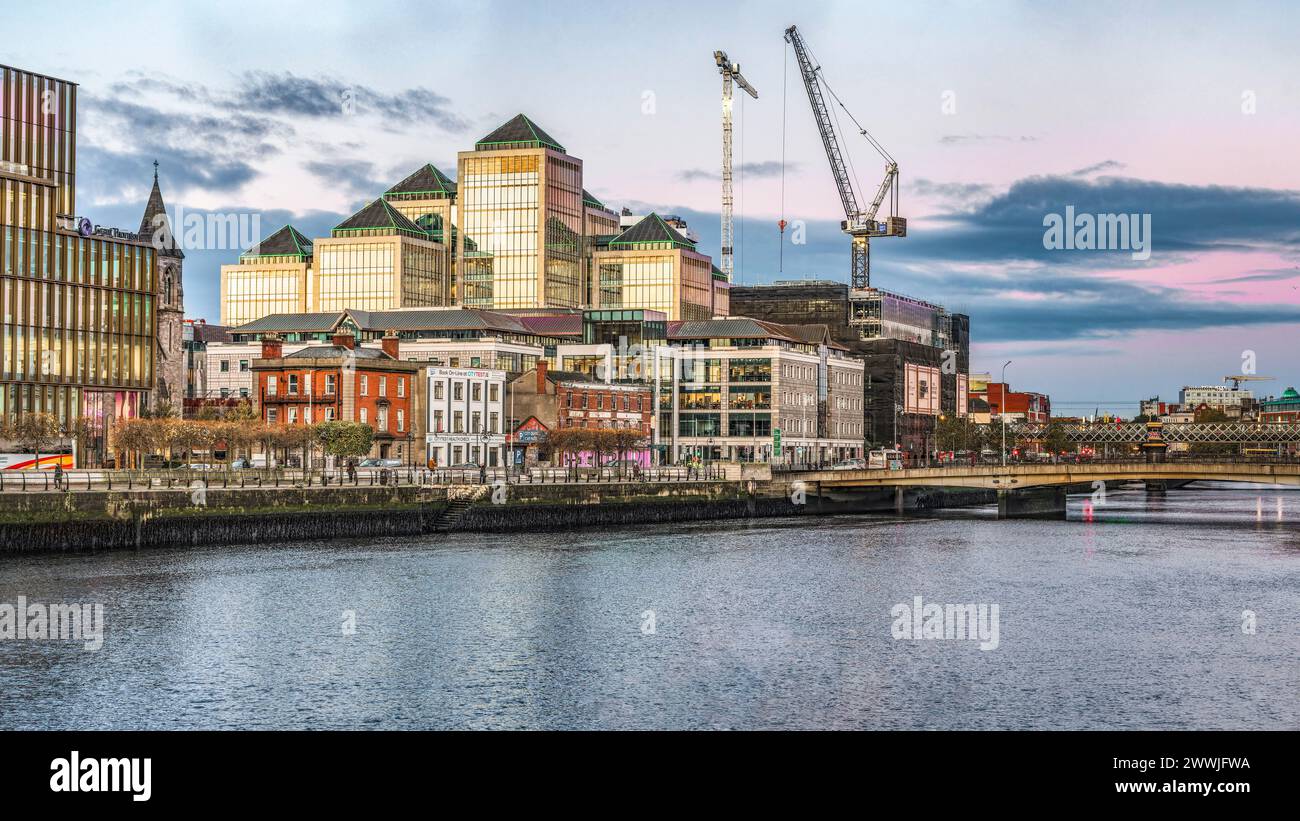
(998, 113)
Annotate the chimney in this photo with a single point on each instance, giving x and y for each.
(272, 347)
(389, 344)
(541, 377)
(344, 340)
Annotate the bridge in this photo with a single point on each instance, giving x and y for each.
(1131, 433)
(1039, 490)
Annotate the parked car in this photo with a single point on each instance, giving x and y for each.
(240, 464)
(368, 463)
(388, 463)
(850, 464)
(198, 466)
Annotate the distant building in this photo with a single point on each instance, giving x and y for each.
(1035, 408)
(1219, 397)
(1285, 408)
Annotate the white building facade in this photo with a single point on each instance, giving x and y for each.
(465, 416)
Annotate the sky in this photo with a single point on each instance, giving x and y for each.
(999, 114)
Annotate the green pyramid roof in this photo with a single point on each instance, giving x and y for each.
(519, 132)
(651, 229)
(379, 216)
(425, 180)
(287, 242)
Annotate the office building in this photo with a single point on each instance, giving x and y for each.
(378, 259)
(746, 390)
(272, 277)
(521, 211)
(79, 308)
(543, 400)
(653, 266)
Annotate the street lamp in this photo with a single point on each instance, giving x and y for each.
(1002, 411)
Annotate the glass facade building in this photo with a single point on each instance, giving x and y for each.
(273, 277)
(522, 214)
(78, 306)
(652, 266)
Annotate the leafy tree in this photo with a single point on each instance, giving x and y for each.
(345, 439)
(36, 432)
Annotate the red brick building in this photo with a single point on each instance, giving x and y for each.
(340, 381)
(562, 399)
(1032, 407)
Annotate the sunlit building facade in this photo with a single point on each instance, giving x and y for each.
(377, 260)
(78, 306)
(521, 208)
(653, 266)
(273, 277)
(428, 198)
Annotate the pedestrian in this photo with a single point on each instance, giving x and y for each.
(58, 476)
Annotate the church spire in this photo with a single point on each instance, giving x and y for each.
(150, 222)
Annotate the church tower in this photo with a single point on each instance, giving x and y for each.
(169, 360)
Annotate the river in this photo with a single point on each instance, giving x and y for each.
(1131, 614)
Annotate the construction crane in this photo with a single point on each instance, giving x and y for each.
(859, 223)
(730, 73)
(1238, 379)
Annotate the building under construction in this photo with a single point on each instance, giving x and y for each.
(917, 354)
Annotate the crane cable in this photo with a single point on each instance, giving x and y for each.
(821, 77)
(785, 73)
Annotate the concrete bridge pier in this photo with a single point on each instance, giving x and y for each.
(1032, 503)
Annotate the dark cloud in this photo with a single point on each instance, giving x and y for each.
(292, 95)
(354, 176)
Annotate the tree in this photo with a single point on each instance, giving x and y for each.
(133, 436)
(345, 439)
(1055, 438)
(37, 432)
(242, 412)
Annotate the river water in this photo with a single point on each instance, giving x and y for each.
(1128, 615)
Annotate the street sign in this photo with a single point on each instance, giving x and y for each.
(776, 441)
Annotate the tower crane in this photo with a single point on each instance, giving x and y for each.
(730, 73)
(1238, 379)
(859, 223)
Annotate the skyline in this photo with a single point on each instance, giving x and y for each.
(1121, 130)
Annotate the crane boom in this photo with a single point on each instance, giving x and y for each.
(823, 116)
(859, 223)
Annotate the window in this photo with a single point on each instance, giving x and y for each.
(477, 392)
(365, 385)
(243, 366)
(475, 422)
(293, 383)
(293, 416)
(401, 386)
(270, 385)
(329, 414)
(383, 386)
(437, 421)
(437, 390)
(458, 391)
(243, 393)
(493, 421)
(458, 422)
(364, 415)
(381, 417)
(401, 420)
(225, 366)
(272, 415)
(494, 392)
(329, 384)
